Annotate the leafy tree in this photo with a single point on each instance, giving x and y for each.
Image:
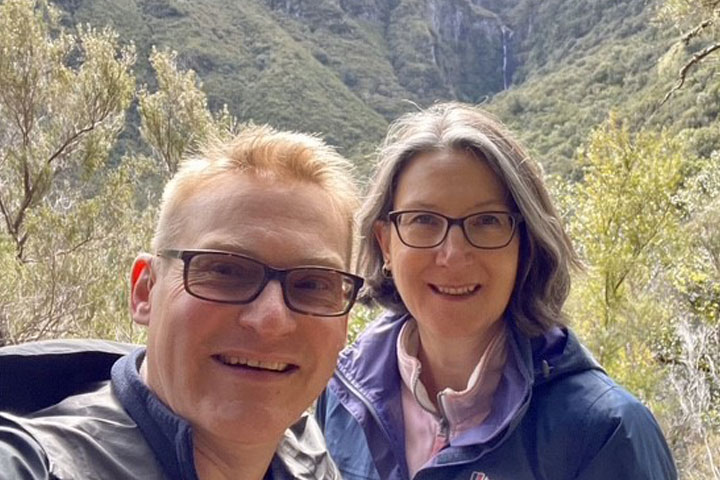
(643, 217)
(694, 355)
(74, 218)
(62, 101)
(175, 118)
(626, 223)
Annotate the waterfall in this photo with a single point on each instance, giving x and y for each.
(507, 34)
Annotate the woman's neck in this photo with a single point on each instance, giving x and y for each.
(449, 362)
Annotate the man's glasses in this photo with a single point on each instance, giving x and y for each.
(423, 229)
(225, 277)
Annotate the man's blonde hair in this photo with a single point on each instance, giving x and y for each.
(263, 152)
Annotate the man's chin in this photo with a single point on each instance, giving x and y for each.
(257, 425)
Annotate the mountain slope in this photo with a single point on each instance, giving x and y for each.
(552, 69)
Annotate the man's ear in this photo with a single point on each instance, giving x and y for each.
(142, 280)
(381, 229)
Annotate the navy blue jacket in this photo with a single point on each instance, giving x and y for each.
(556, 415)
(74, 409)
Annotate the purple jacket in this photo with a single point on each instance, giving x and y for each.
(556, 415)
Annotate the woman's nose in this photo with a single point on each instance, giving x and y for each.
(455, 250)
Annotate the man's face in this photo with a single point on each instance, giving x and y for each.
(216, 364)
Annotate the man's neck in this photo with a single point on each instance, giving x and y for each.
(218, 459)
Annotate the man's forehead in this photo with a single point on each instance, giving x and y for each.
(286, 255)
(286, 221)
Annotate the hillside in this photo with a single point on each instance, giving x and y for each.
(598, 57)
(344, 68)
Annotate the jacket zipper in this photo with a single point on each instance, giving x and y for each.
(444, 422)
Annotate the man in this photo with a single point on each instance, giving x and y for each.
(245, 301)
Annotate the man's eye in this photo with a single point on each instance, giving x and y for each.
(313, 284)
(224, 269)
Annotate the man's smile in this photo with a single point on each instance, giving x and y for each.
(236, 361)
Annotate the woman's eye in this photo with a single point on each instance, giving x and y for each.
(423, 219)
(487, 220)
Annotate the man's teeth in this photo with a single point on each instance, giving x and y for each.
(230, 360)
(456, 290)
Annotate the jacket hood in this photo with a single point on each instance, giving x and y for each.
(556, 354)
(40, 374)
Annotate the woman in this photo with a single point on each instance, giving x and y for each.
(471, 374)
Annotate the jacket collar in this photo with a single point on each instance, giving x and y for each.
(169, 436)
(369, 367)
(544, 358)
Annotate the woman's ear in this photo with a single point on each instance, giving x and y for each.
(142, 280)
(381, 229)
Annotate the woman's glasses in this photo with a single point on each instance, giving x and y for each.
(425, 229)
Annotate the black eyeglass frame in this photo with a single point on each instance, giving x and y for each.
(515, 216)
(269, 273)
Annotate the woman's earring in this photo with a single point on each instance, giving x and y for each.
(386, 272)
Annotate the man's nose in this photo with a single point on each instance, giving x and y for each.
(268, 314)
(455, 250)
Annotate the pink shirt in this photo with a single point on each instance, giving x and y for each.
(428, 430)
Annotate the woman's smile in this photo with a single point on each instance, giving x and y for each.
(456, 291)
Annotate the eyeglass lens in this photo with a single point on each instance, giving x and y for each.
(427, 229)
(229, 278)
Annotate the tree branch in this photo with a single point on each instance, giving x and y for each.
(683, 71)
(696, 31)
(6, 215)
(71, 140)
(76, 247)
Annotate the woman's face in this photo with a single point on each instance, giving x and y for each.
(454, 290)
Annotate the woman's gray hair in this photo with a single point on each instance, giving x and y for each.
(546, 253)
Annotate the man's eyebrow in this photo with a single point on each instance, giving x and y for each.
(330, 260)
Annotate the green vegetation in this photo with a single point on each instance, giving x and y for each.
(58, 124)
(246, 59)
(344, 69)
(175, 118)
(617, 99)
(647, 305)
(74, 218)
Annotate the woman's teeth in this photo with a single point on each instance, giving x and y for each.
(456, 290)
